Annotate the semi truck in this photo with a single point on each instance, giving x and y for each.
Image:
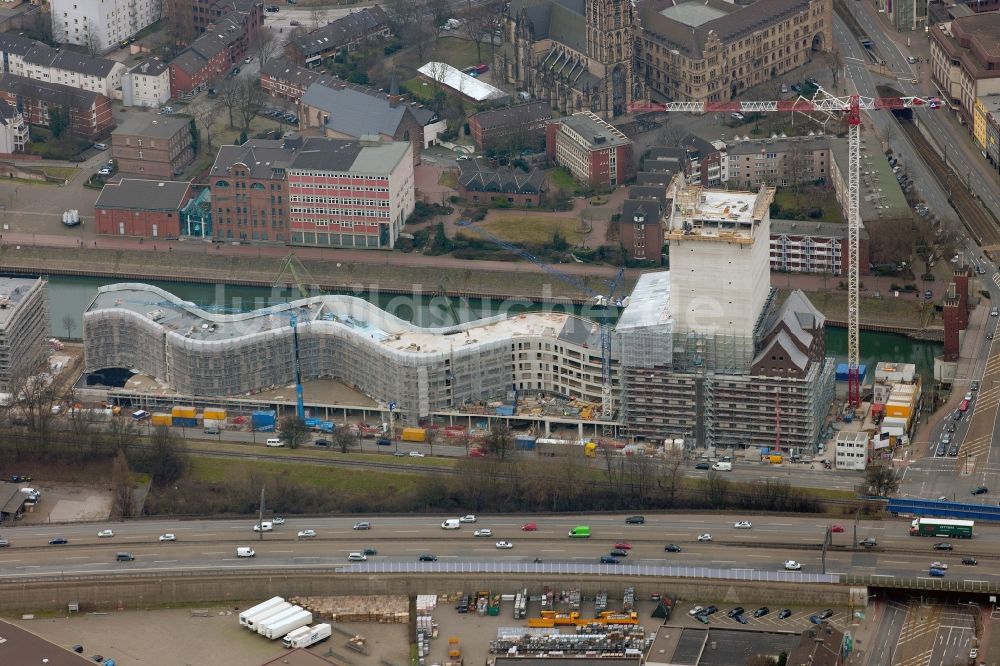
(276, 618)
(942, 527)
(289, 624)
(311, 636)
(253, 621)
(291, 636)
(259, 608)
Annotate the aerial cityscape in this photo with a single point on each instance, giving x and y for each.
(424, 332)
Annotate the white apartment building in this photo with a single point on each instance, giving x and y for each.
(101, 25)
(147, 84)
(851, 450)
(26, 57)
(13, 130)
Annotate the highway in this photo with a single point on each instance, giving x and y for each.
(771, 541)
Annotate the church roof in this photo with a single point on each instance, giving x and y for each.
(562, 21)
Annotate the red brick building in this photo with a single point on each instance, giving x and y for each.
(511, 127)
(479, 183)
(89, 112)
(595, 152)
(152, 146)
(250, 190)
(145, 208)
(956, 313)
(640, 227)
(285, 80)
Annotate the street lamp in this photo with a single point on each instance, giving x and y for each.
(392, 425)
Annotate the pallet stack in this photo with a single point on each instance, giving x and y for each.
(383, 609)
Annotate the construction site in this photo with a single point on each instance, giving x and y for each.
(698, 353)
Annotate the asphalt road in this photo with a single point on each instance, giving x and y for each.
(765, 547)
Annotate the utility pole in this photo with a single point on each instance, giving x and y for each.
(260, 515)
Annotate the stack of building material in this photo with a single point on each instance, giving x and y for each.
(384, 609)
(426, 603)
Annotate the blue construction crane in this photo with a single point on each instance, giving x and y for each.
(300, 409)
(599, 300)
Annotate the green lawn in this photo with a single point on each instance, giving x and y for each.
(459, 53)
(536, 229)
(449, 179)
(66, 173)
(805, 199)
(214, 470)
(561, 177)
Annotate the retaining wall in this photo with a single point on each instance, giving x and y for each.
(131, 592)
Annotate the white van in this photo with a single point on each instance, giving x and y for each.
(140, 415)
(723, 467)
(244, 551)
(265, 526)
(274, 441)
(357, 557)
(451, 524)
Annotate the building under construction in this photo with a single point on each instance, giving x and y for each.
(704, 352)
(24, 325)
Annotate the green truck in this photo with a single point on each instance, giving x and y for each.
(942, 527)
(580, 532)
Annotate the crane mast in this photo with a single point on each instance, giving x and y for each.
(822, 102)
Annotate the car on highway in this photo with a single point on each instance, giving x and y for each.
(399, 454)
(624, 545)
(635, 520)
(370, 551)
(695, 610)
(103, 534)
(995, 312)
(278, 520)
(265, 526)
(980, 490)
(4, 543)
(762, 611)
(672, 548)
(792, 565)
(467, 519)
(357, 557)
(245, 551)
(702, 465)
(951, 427)
(504, 545)
(416, 454)
(485, 532)
(837, 529)
(618, 552)
(709, 610)
(529, 527)
(939, 565)
(306, 534)
(970, 560)
(428, 558)
(743, 525)
(934, 102)
(989, 335)
(733, 612)
(58, 541)
(783, 613)
(868, 542)
(975, 386)
(607, 559)
(363, 525)
(705, 537)
(943, 545)
(956, 415)
(168, 537)
(935, 573)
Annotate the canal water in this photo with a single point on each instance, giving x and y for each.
(70, 296)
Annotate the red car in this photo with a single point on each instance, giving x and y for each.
(529, 527)
(836, 528)
(476, 453)
(624, 545)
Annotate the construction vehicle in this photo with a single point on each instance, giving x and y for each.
(454, 650)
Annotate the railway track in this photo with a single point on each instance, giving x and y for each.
(979, 222)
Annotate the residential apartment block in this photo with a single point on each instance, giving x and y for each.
(806, 246)
(347, 193)
(152, 146)
(191, 18)
(986, 127)
(348, 33)
(713, 50)
(24, 326)
(13, 130)
(144, 208)
(250, 190)
(147, 84)
(100, 25)
(511, 127)
(965, 59)
(779, 162)
(224, 42)
(34, 60)
(641, 225)
(89, 112)
(595, 152)
(287, 81)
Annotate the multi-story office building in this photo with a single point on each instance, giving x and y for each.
(24, 325)
(100, 25)
(713, 50)
(594, 151)
(345, 193)
(965, 59)
(154, 146)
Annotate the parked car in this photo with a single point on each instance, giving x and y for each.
(816, 619)
(733, 612)
(694, 611)
(700, 617)
(709, 610)
(783, 613)
(322, 442)
(741, 618)
(762, 611)
(826, 614)
(702, 465)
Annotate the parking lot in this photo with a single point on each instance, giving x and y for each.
(797, 622)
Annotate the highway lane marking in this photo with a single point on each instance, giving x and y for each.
(282, 551)
(164, 561)
(216, 552)
(307, 557)
(79, 557)
(8, 561)
(549, 550)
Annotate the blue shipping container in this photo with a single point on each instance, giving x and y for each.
(524, 443)
(312, 423)
(263, 420)
(184, 422)
(505, 410)
(841, 373)
(327, 426)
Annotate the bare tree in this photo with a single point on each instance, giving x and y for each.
(836, 64)
(122, 433)
(204, 117)
(671, 476)
(263, 44)
(317, 16)
(440, 11)
(430, 436)
(882, 480)
(31, 402)
(123, 490)
(499, 441)
(252, 100)
(343, 438)
(293, 431)
(68, 323)
(478, 25)
(231, 97)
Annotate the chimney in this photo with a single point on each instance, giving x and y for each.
(394, 100)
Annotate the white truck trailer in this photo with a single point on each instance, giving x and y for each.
(311, 636)
(289, 624)
(254, 623)
(259, 608)
(277, 617)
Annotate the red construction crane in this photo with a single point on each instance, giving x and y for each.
(822, 102)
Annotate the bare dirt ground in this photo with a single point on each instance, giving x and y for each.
(69, 504)
(174, 638)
